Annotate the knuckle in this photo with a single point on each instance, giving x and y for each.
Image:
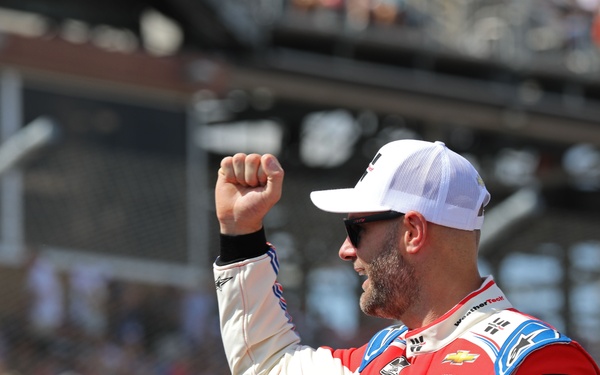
(239, 157)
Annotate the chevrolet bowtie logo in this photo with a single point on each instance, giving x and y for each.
(460, 357)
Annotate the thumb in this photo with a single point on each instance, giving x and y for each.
(274, 173)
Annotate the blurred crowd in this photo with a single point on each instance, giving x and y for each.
(82, 322)
(554, 24)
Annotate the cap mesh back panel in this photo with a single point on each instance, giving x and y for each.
(463, 192)
(411, 176)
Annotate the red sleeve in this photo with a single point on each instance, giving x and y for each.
(559, 359)
(351, 358)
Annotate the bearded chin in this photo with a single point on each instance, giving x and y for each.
(393, 286)
(377, 301)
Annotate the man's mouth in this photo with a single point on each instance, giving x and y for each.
(363, 276)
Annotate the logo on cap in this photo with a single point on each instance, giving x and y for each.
(480, 181)
(370, 167)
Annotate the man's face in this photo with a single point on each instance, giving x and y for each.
(391, 285)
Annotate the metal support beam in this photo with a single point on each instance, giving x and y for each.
(11, 184)
(423, 96)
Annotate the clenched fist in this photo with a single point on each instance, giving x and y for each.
(248, 186)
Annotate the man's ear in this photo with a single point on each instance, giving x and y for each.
(416, 231)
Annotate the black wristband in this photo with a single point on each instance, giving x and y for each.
(238, 248)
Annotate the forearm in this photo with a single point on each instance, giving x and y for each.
(258, 335)
(254, 321)
(254, 325)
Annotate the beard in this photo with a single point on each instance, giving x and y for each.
(393, 285)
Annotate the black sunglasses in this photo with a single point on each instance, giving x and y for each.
(353, 226)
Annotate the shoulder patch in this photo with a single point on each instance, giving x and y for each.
(379, 343)
(529, 336)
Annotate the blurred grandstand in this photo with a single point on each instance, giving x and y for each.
(107, 234)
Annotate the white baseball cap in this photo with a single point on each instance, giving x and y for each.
(413, 175)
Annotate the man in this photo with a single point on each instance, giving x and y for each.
(413, 225)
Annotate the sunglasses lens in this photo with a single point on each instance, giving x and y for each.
(354, 228)
(353, 231)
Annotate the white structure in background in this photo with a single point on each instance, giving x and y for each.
(516, 167)
(161, 35)
(521, 205)
(45, 296)
(23, 23)
(88, 298)
(259, 136)
(585, 297)
(328, 138)
(533, 284)
(582, 163)
(337, 286)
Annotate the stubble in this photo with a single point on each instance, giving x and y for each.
(393, 283)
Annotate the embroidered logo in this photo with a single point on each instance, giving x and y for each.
(477, 307)
(497, 325)
(395, 366)
(525, 341)
(417, 344)
(371, 166)
(460, 357)
(221, 281)
(527, 337)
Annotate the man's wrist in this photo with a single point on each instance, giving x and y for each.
(238, 248)
(234, 228)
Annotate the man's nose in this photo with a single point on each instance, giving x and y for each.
(347, 250)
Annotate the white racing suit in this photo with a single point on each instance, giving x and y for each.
(481, 335)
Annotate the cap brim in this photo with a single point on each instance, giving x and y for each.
(344, 201)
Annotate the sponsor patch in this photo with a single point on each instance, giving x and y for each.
(395, 366)
(460, 357)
